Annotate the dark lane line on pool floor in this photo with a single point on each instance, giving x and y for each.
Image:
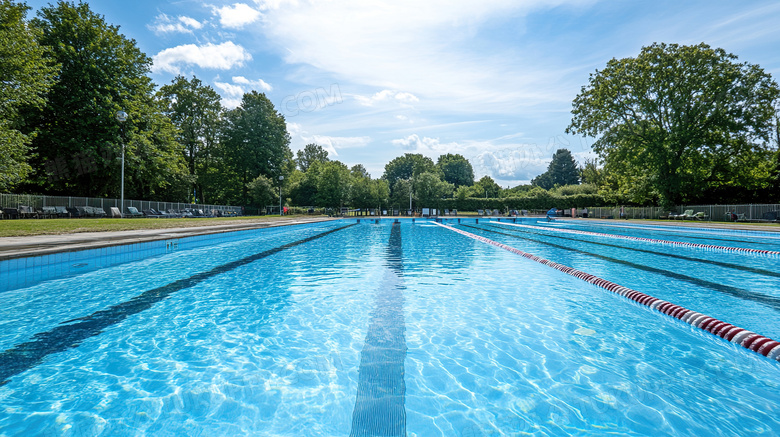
(69, 335)
(381, 395)
(770, 301)
(668, 255)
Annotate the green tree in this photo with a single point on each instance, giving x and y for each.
(261, 191)
(78, 142)
(400, 194)
(333, 183)
(407, 167)
(26, 74)
(429, 189)
(256, 141)
(358, 170)
(303, 188)
(366, 192)
(309, 154)
(561, 171)
(680, 118)
(486, 187)
(195, 108)
(456, 170)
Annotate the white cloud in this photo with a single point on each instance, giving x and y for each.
(165, 24)
(219, 57)
(232, 93)
(426, 49)
(424, 145)
(387, 95)
(300, 137)
(516, 164)
(260, 83)
(190, 22)
(236, 16)
(508, 164)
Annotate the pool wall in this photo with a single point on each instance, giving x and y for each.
(27, 271)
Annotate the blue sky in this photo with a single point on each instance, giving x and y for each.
(369, 80)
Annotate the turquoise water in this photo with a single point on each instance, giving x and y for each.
(487, 343)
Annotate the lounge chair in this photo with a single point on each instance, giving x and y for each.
(115, 213)
(480, 212)
(62, 211)
(97, 212)
(701, 215)
(27, 212)
(133, 212)
(771, 216)
(48, 212)
(687, 214)
(74, 212)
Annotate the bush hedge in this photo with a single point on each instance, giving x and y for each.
(537, 201)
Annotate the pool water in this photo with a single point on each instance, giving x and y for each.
(353, 329)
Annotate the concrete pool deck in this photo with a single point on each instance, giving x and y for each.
(36, 245)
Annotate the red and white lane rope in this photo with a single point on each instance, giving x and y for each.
(649, 240)
(747, 339)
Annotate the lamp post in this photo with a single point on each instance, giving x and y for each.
(281, 178)
(121, 117)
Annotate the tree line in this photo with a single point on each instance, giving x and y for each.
(676, 124)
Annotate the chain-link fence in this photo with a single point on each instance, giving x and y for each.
(37, 203)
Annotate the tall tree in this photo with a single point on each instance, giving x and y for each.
(407, 167)
(309, 154)
(429, 189)
(79, 141)
(256, 141)
(26, 74)
(195, 108)
(401, 194)
(333, 183)
(562, 170)
(262, 191)
(677, 115)
(456, 169)
(486, 187)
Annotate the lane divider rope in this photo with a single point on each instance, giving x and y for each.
(650, 240)
(734, 334)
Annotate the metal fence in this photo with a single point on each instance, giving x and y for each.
(749, 212)
(38, 202)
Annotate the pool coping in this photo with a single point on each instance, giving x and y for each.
(37, 245)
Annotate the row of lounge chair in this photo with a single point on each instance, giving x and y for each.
(96, 212)
(688, 214)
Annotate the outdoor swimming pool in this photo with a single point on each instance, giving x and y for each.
(355, 329)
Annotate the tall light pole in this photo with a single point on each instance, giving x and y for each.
(281, 178)
(121, 117)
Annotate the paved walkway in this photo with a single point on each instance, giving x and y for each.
(17, 247)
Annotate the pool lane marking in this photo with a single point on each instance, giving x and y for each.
(649, 240)
(381, 395)
(70, 334)
(653, 252)
(747, 339)
(770, 301)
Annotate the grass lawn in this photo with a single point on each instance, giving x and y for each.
(26, 227)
